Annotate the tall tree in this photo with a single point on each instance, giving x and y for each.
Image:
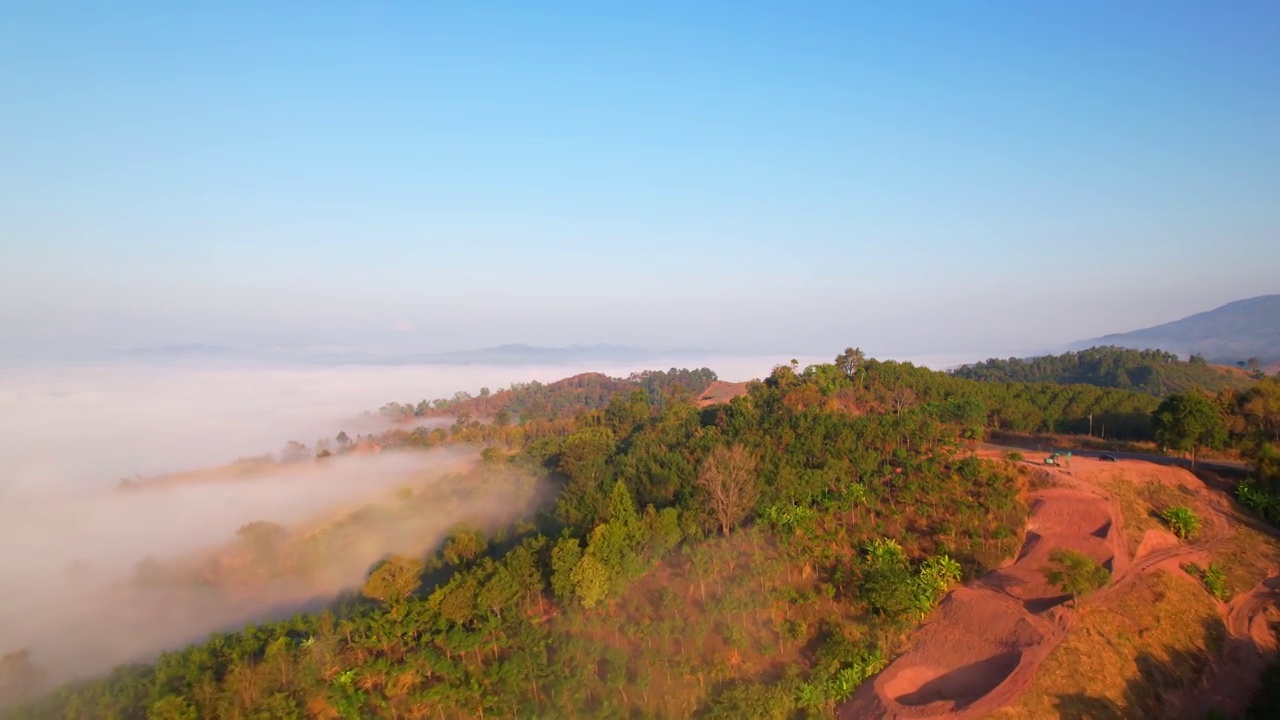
(728, 480)
(1188, 422)
(850, 360)
(564, 558)
(394, 580)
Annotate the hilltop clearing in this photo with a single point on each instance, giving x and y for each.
(720, 392)
(1010, 645)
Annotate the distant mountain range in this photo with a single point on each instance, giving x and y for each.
(510, 354)
(1234, 332)
(520, 354)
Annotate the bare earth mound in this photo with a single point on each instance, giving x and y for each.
(981, 648)
(985, 640)
(721, 392)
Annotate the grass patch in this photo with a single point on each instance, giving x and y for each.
(1248, 556)
(1143, 502)
(1212, 577)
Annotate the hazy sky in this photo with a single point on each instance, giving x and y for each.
(911, 177)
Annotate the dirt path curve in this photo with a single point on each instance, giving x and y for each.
(981, 647)
(1249, 649)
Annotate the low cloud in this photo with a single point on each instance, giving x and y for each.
(75, 538)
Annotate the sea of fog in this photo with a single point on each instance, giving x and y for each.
(70, 433)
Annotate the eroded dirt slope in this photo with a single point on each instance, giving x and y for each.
(981, 648)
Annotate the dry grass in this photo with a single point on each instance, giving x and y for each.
(1246, 550)
(1135, 649)
(1142, 499)
(1249, 555)
(1129, 650)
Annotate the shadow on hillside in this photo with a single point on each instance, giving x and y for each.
(1165, 684)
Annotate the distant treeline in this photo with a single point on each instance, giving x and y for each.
(1154, 372)
(523, 402)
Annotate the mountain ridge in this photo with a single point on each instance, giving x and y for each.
(1230, 333)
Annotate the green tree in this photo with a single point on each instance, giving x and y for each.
(591, 581)
(751, 700)
(464, 546)
(172, 707)
(1188, 422)
(564, 558)
(887, 585)
(1075, 573)
(934, 578)
(394, 580)
(584, 461)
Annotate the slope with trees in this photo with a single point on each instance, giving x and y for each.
(1154, 372)
(760, 555)
(1237, 331)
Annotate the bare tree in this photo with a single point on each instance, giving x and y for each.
(903, 398)
(850, 360)
(728, 478)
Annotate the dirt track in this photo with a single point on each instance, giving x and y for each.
(980, 649)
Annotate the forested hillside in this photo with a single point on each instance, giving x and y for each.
(1232, 333)
(753, 559)
(1154, 372)
(523, 402)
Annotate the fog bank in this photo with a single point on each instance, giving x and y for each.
(75, 538)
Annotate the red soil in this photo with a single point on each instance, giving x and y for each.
(982, 645)
(721, 392)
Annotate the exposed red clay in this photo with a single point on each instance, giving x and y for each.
(981, 647)
(720, 392)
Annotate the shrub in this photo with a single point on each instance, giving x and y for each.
(1182, 521)
(1075, 573)
(1213, 579)
(1015, 456)
(754, 700)
(936, 576)
(887, 585)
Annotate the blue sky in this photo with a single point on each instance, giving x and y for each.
(911, 177)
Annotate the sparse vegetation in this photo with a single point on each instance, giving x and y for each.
(1124, 658)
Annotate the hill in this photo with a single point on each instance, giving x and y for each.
(560, 399)
(760, 558)
(1234, 332)
(1154, 372)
